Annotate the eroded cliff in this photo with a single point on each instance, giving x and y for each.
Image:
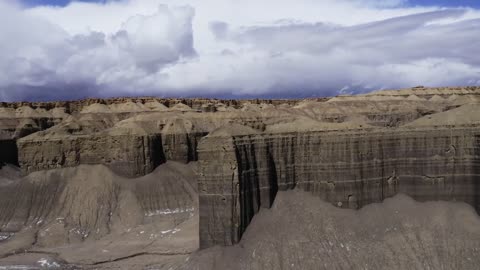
(349, 169)
(350, 151)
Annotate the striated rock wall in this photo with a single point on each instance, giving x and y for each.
(219, 202)
(348, 169)
(128, 155)
(181, 147)
(348, 150)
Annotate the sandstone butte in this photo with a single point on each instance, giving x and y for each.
(170, 176)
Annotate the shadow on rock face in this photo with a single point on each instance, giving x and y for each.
(8, 153)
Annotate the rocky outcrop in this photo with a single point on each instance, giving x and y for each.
(126, 147)
(301, 231)
(94, 210)
(179, 140)
(348, 169)
(21, 122)
(348, 150)
(127, 155)
(219, 185)
(198, 104)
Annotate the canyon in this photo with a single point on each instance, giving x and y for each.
(196, 183)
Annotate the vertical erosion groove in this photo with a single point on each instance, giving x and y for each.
(272, 176)
(350, 170)
(476, 173)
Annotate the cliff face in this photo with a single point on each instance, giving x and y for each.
(354, 169)
(348, 169)
(126, 155)
(349, 150)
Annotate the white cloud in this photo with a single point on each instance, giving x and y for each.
(231, 48)
(40, 59)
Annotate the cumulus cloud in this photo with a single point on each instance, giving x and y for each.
(40, 60)
(232, 49)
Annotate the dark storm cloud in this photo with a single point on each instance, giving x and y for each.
(41, 61)
(162, 53)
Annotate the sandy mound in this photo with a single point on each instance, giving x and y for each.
(128, 107)
(305, 104)
(426, 91)
(453, 97)
(415, 98)
(466, 99)
(384, 98)
(7, 113)
(128, 127)
(305, 124)
(465, 115)
(303, 232)
(265, 106)
(96, 108)
(155, 106)
(433, 91)
(69, 208)
(83, 124)
(233, 130)
(58, 112)
(369, 97)
(220, 107)
(437, 98)
(335, 99)
(181, 107)
(25, 112)
(250, 107)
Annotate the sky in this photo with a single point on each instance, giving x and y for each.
(441, 3)
(59, 50)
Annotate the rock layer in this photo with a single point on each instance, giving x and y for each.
(350, 169)
(128, 155)
(348, 150)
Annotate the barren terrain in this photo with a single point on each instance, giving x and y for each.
(385, 180)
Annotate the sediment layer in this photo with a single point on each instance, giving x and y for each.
(348, 150)
(348, 169)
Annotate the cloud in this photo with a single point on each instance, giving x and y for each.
(41, 60)
(232, 49)
(219, 29)
(319, 59)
